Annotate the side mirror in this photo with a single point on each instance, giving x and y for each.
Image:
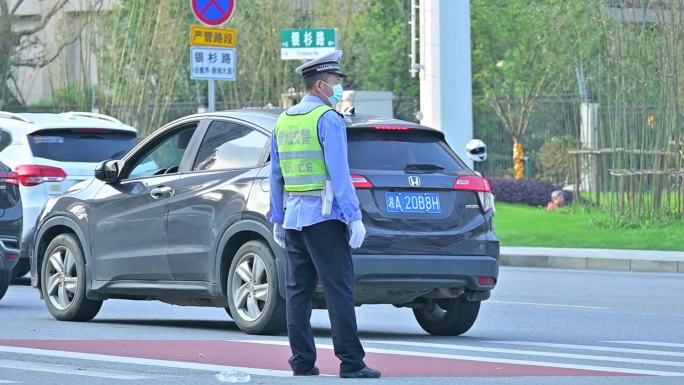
(107, 171)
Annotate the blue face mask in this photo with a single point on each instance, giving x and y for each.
(336, 97)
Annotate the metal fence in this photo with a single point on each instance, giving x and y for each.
(552, 117)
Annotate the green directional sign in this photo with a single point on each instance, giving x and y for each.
(304, 44)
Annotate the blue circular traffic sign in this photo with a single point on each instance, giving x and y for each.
(213, 12)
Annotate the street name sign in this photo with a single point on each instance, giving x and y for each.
(211, 63)
(306, 44)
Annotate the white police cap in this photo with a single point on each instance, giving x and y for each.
(329, 63)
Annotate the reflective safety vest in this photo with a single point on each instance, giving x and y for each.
(301, 154)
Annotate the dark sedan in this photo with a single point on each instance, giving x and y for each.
(182, 219)
(10, 220)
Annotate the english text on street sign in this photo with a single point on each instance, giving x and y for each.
(213, 12)
(210, 63)
(303, 44)
(213, 37)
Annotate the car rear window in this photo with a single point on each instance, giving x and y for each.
(394, 150)
(81, 145)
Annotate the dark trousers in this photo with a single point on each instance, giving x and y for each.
(321, 250)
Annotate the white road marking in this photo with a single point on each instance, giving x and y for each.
(9, 382)
(488, 359)
(536, 353)
(649, 343)
(593, 348)
(70, 370)
(548, 304)
(144, 361)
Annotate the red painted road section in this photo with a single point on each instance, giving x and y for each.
(252, 355)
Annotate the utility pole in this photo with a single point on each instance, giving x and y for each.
(446, 100)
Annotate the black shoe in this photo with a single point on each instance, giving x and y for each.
(311, 372)
(363, 373)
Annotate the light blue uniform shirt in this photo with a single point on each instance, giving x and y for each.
(305, 211)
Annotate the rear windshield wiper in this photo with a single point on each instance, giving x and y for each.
(423, 167)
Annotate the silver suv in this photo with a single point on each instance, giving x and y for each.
(52, 152)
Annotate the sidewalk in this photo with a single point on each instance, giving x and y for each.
(594, 259)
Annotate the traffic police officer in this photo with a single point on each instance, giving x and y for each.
(308, 159)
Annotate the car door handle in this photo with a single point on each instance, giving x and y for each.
(160, 192)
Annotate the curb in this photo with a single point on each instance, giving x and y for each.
(529, 257)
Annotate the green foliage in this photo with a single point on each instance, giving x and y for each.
(144, 60)
(582, 227)
(142, 55)
(523, 50)
(557, 164)
(379, 55)
(626, 57)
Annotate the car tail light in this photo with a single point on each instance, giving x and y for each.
(33, 175)
(486, 281)
(360, 182)
(477, 184)
(392, 128)
(9, 177)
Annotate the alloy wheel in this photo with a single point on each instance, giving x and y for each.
(62, 278)
(250, 288)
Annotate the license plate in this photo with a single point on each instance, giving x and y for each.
(413, 203)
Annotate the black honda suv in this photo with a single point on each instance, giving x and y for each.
(182, 219)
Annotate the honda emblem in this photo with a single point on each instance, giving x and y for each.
(414, 181)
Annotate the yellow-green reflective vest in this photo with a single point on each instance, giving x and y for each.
(301, 154)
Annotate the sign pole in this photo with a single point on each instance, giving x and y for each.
(212, 50)
(212, 96)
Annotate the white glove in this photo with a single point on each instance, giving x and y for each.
(358, 233)
(279, 234)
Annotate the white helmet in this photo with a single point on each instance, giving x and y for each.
(476, 150)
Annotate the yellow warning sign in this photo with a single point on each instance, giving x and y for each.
(213, 37)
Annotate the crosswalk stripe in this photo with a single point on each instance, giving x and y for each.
(70, 370)
(649, 343)
(143, 361)
(594, 348)
(548, 304)
(488, 359)
(536, 353)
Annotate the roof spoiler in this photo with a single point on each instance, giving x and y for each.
(72, 114)
(12, 115)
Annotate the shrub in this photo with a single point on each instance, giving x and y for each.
(557, 165)
(529, 192)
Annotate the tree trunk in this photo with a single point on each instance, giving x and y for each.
(5, 54)
(518, 159)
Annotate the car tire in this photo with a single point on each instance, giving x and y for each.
(21, 268)
(254, 300)
(63, 281)
(5, 278)
(448, 316)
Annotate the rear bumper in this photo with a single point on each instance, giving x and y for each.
(424, 271)
(403, 279)
(5, 262)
